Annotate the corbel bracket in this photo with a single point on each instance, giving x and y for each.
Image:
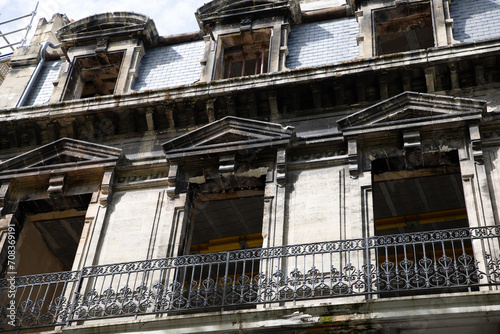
(106, 187)
(281, 167)
(352, 156)
(246, 24)
(56, 185)
(210, 110)
(476, 146)
(227, 163)
(171, 179)
(102, 45)
(411, 140)
(4, 193)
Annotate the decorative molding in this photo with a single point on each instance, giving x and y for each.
(56, 185)
(281, 167)
(227, 163)
(411, 140)
(106, 189)
(475, 140)
(352, 154)
(102, 45)
(316, 156)
(140, 178)
(441, 144)
(227, 135)
(210, 110)
(172, 179)
(149, 119)
(59, 157)
(4, 194)
(411, 110)
(116, 26)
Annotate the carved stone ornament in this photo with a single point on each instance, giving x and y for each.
(352, 153)
(56, 185)
(4, 189)
(172, 179)
(410, 110)
(59, 156)
(228, 135)
(476, 144)
(106, 187)
(281, 167)
(102, 45)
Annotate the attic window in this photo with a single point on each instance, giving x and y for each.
(242, 54)
(93, 76)
(404, 27)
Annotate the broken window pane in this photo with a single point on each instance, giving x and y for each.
(404, 27)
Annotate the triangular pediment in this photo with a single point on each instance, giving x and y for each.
(61, 154)
(229, 134)
(411, 109)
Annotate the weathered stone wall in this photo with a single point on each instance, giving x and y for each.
(492, 164)
(130, 226)
(316, 205)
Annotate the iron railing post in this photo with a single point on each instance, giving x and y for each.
(72, 304)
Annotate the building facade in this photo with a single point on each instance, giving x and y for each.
(293, 167)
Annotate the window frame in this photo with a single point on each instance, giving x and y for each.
(223, 44)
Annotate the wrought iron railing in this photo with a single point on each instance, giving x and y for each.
(434, 261)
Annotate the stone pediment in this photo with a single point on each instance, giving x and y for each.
(223, 9)
(227, 135)
(60, 155)
(117, 25)
(410, 109)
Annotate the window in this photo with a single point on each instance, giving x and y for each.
(52, 231)
(242, 54)
(93, 76)
(418, 197)
(219, 223)
(226, 224)
(402, 28)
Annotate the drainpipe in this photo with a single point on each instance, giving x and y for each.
(38, 68)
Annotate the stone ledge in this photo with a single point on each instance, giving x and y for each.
(370, 316)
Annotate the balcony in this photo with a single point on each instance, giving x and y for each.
(386, 266)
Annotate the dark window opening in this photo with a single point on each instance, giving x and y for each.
(49, 230)
(404, 27)
(227, 224)
(220, 223)
(47, 238)
(421, 194)
(243, 54)
(93, 76)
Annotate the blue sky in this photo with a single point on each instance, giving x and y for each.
(170, 16)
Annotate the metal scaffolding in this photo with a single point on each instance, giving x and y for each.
(13, 33)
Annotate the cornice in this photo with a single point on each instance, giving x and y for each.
(268, 81)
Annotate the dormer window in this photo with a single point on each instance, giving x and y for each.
(403, 27)
(105, 51)
(394, 26)
(243, 54)
(93, 76)
(242, 38)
